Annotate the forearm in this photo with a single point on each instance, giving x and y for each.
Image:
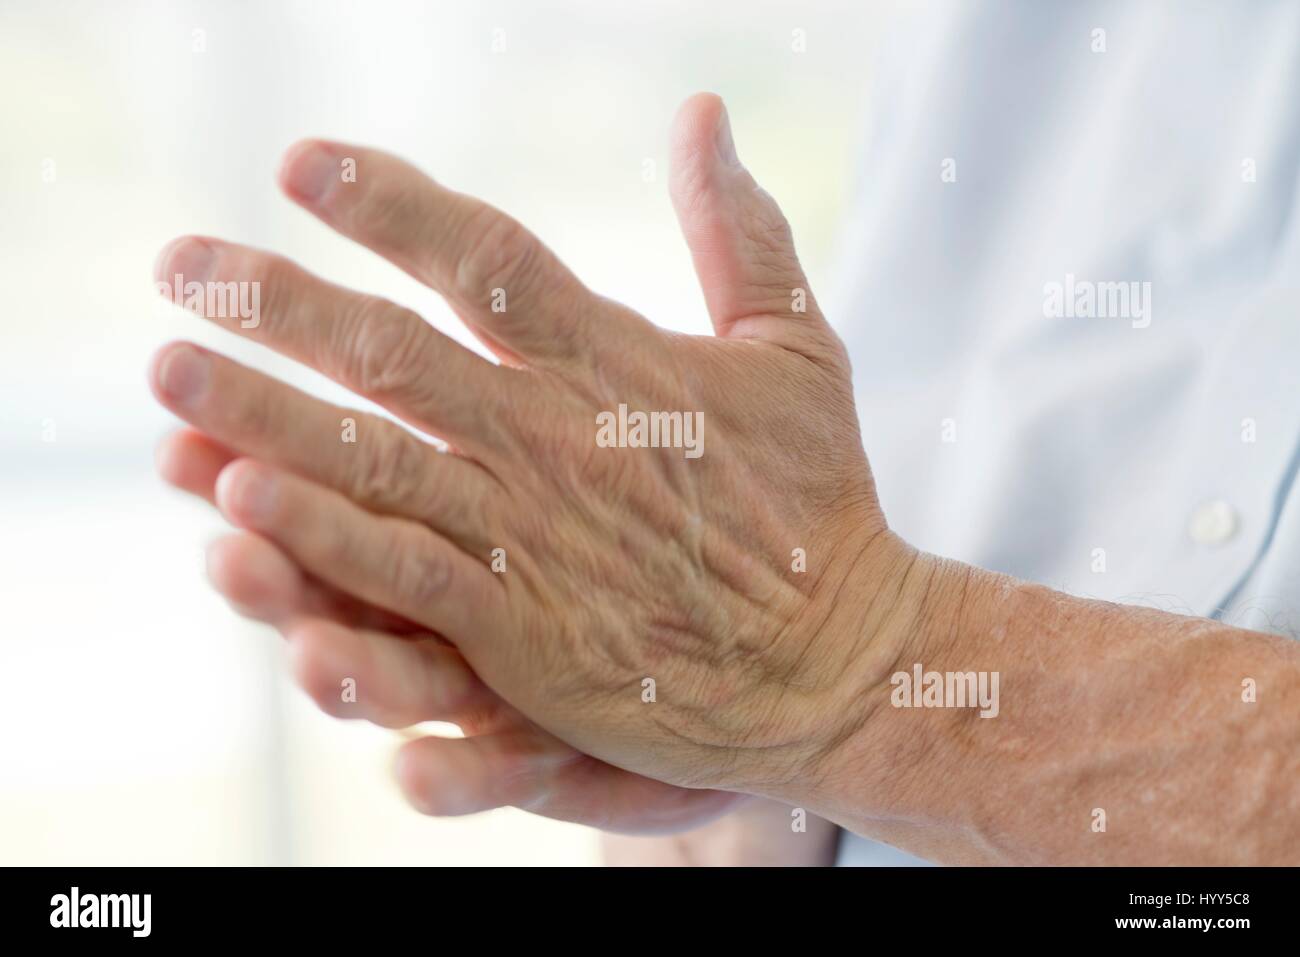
(759, 833)
(1134, 720)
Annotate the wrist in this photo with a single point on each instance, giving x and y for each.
(901, 613)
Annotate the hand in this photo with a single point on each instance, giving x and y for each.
(621, 564)
(404, 675)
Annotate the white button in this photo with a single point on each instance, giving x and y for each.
(1213, 523)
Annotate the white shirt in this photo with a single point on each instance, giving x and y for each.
(1017, 154)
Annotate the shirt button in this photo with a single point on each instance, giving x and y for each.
(1213, 523)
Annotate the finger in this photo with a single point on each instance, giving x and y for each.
(447, 777)
(371, 460)
(264, 584)
(740, 241)
(191, 461)
(394, 682)
(254, 576)
(387, 562)
(500, 279)
(374, 347)
(528, 768)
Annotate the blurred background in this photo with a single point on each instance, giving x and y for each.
(141, 721)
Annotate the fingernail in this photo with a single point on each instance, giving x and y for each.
(183, 374)
(184, 261)
(311, 173)
(726, 145)
(252, 493)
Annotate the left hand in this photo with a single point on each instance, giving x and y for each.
(621, 564)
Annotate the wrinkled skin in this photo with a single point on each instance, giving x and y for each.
(621, 564)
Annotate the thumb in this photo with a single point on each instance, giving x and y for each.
(739, 239)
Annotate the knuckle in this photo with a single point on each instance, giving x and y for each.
(771, 246)
(499, 253)
(334, 546)
(422, 574)
(768, 219)
(388, 349)
(391, 470)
